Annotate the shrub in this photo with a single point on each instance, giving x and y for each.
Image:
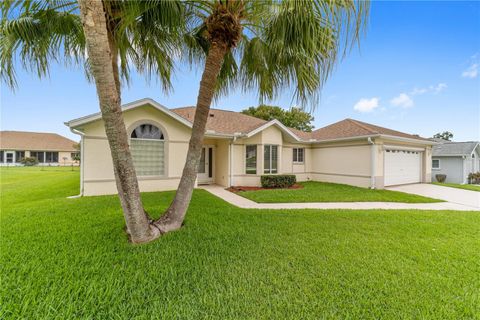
(278, 181)
(29, 161)
(474, 177)
(441, 177)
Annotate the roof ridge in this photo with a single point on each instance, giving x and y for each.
(30, 132)
(361, 125)
(193, 107)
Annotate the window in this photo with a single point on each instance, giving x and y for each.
(39, 155)
(270, 156)
(75, 156)
(251, 159)
(298, 155)
(1, 156)
(51, 157)
(147, 147)
(435, 164)
(19, 156)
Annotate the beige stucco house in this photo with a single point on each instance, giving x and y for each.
(238, 149)
(50, 149)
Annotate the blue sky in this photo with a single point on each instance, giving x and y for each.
(417, 71)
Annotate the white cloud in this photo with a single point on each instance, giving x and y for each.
(418, 91)
(366, 105)
(402, 100)
(432, 88)
(471, 72)
(439, 87)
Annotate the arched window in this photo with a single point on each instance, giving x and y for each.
(147, 131)
(147, 144)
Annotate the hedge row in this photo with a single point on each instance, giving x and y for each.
(278, 181)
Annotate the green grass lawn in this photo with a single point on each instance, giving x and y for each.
(471, 187)
(69, 259)
(331, 192)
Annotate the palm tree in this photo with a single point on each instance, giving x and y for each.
(114, 33)
(268, 46)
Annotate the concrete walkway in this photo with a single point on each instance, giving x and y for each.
(453, 195)
(245, 203)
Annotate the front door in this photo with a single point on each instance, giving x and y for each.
(9, 157)
(205, 168)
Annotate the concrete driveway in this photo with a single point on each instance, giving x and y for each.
(453, 195)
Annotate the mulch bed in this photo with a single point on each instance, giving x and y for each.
(240, 188)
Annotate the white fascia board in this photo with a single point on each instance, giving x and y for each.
(414, 141)
(132, 105)
(346, 139)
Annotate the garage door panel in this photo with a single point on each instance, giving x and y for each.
(402, 167)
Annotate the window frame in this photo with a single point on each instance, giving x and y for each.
(295, 154)
(270, 160)
(436, 168)
(39, 155)
(251, 170)
(50, 157)
(163, 139)
(19, 156)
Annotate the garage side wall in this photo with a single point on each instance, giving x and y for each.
(347, 164)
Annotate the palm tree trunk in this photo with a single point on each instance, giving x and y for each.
(103, 60)
(175, 214)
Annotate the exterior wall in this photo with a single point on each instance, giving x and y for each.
(476, 160)
(452, 167)
(98, 177)
(347, 163)
(222, 163)
(270, 136)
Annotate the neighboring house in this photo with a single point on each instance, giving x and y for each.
(48, 148)
(455, 159)
(238, 149)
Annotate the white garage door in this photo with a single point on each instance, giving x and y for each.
(402, 167)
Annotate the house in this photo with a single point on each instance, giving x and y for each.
(47, 148)
(455, 159)
(238, 149)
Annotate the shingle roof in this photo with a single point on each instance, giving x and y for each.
(223, 121)
(230, 122)
(41, 141)
(353, 128)
(454, 148)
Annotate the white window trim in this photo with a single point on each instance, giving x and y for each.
(439, 166)
(165, 142)
(256, 160)
(298, 162)
(270, 158)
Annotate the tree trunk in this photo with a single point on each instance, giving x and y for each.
(175, 214)
(105, 71)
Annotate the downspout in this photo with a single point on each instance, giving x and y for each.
(82, 155)
(373, 163)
